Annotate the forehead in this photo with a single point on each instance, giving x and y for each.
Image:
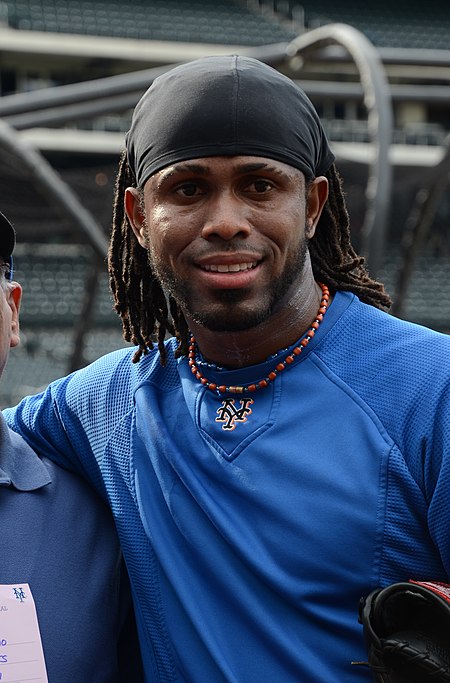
(230, 165)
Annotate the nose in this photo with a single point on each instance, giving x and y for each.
(227, 218)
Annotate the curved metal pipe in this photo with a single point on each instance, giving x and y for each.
(131, 85)
(378, 103)
(51, 185)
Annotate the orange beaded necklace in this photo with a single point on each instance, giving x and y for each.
(296, 351)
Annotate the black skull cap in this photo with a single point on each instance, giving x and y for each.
(225, 106)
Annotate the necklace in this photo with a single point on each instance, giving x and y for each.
(279, 367)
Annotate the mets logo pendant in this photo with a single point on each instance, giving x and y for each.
(229, 413)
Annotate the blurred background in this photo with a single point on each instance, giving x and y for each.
(71, 72)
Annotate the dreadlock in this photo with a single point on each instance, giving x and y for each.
(138, 297)
(147, 314)
(334, 260)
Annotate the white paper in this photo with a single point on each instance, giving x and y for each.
(21, 654)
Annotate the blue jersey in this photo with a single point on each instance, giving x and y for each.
(252, 524)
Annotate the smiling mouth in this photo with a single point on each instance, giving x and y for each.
(230, 267)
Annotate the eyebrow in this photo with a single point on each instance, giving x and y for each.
(183, 168)
(204, 170)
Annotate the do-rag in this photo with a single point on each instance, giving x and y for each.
(225, 106)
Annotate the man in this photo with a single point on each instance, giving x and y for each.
(59, 550)
(287, 450)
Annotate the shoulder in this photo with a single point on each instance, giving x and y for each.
(69, 492)
(101, 395)
(114, 376)
(369, 337)
(398, 368)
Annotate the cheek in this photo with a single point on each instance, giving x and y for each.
(5, 323)
(171, 229)
(289, 227)
(157, 228)
(158, 221)
(165, 241)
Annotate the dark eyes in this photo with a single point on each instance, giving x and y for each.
(260, 186)
(194, 189)
(189, 190)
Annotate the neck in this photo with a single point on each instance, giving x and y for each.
(249, 347)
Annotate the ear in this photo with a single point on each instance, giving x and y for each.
(14, 297)
(135, 215)
(315, 201)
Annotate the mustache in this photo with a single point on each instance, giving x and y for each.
(231, 247)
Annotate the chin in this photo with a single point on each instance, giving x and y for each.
(235, 319)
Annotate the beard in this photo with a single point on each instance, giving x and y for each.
(229, 312)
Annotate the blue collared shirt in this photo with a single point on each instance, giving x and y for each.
(57, 536)
(19, 466)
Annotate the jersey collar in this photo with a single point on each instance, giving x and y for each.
(20, 467)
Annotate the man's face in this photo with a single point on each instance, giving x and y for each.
(10, 296)
(226, 236)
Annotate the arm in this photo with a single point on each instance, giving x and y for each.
(73, 419)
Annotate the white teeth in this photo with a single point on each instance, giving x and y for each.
(230, 268)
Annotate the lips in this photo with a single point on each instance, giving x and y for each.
(229, 267)
(229, 271)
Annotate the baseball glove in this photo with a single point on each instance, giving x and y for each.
(407, 632)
